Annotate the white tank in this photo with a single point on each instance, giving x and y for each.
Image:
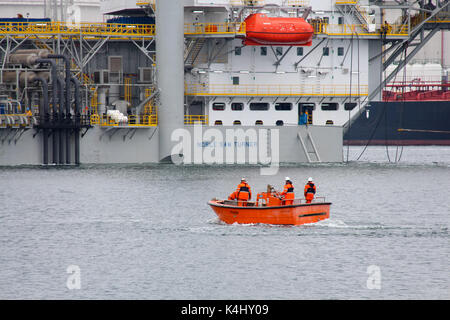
(416, 71)
(87, 10)
(433, 71)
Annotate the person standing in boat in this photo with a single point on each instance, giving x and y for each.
(243, 192)
(288, 192)
(310, 190)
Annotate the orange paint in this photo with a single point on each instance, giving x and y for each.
(264, 30)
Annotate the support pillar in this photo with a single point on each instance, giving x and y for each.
(170, 71)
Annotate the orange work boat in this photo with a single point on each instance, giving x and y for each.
(271, 209)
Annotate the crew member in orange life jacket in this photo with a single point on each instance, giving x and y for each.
(310, 190)
(288, 192)
(243, 192)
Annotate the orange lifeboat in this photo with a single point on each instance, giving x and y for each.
(264, 30)
(270, 209)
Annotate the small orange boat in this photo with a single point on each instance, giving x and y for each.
(271, 209)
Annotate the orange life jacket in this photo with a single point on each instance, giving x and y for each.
(310, 188)
(243, 191)
(288, 191)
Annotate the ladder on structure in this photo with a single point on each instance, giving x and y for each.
(353, 8)
(193, 50)
(309, 147)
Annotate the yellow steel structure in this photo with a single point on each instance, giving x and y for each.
(296, 3)
(149, 108)
(143, 120)
(95, 31)
(127, 90)
(195, 119)
(92, 30)
(147, 3)
(113, 30)
(357, 29)
(297, 90)
(94, 101)
(344, 2)
(237, 28)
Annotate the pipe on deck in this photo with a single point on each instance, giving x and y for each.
(76, 86)
(43, 114)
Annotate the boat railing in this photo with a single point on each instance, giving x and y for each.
(262, 202)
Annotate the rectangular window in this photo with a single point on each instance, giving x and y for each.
(340, 20)
(283, 106)
(299, 51)
(218, 106)
(331, 106)
(264, 51)
(259, 106)
(349, 106)
(235, 81)
(237, 51)
(326, 51)
(340, 51)
(237, 106)
(279, 51)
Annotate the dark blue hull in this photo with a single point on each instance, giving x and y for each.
(420, 123)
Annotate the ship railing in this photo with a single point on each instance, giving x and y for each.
(214, 28)
(357, 29)
(250, 3)
(83, 28)
(195, 119)
(142, 120)
(26, 120)
(346, 2)
(141, 3)
(275, 90)
(296, 3)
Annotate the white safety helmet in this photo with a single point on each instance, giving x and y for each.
(310, 179)
(287, 179)
(243, 179)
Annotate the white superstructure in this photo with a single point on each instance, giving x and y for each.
(57, 10)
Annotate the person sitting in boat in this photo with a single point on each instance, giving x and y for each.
(288, 192)
(310, 190)
(243, 192)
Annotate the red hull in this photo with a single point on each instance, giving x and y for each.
(262, 30)
(280, 215)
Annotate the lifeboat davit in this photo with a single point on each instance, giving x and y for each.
(271, 209)
(264, 30)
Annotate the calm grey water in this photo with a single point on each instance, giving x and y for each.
(145, 232)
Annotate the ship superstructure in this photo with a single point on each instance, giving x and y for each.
(116, 91)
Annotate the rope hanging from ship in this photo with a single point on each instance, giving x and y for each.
(351, 79)
(398, 155)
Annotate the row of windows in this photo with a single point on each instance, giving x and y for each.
(279, 51)
(260, 122)
(254, 106)
(257, 122)
(282, 106)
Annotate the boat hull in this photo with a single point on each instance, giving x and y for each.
(281, 215)
(426, 123)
